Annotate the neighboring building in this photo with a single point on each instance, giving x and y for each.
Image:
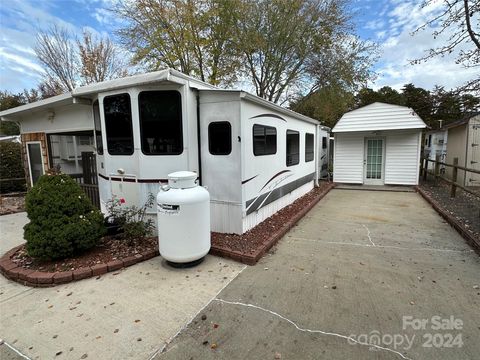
(436, 144)
(378, 144)
(464, 144)
(254, 157)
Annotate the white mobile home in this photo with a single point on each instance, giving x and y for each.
(253, 156)
(378, 144)
(436, 145)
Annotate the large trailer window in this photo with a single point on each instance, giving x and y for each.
(264, 140)
(161, 122)
(309, 147)
(118, 124)
(293, 147)
(98, 127)
(220, 138)
(324, 142)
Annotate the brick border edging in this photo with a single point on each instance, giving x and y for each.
(252, 259)
(34, 278)
(469, 238)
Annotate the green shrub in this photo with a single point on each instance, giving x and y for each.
(11, 167)
(63, 221)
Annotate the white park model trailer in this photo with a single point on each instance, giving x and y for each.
(253, 156)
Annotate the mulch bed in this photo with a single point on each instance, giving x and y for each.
(252, 245)
(111, 254)
(12, 204)
(107, 250)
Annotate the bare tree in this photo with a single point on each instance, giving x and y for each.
(56, 50)
(459, 20)
(69, 62)
(100, 59)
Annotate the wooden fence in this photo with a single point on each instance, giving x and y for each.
(453, 181)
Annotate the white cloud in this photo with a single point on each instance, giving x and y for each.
(399, 47)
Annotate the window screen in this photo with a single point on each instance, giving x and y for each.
(161, 122)
(309, 147)
(220, 138)
(98, 127)
(324, 142)
(118, 124)
(293, 147)
(264, 140)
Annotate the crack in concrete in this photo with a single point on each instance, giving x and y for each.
(382, 246)
(368, 234)
(16, 351)
(314, 331)
(163, 348)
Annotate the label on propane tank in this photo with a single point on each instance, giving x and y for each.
(168, 209)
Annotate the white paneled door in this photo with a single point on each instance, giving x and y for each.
(374, 161)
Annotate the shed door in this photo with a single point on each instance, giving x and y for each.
(374, 161)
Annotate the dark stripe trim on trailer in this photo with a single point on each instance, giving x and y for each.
(245, 181)
(133, 180)
(277, 193)
(269, 115)
(274, 176)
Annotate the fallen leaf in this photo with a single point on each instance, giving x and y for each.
(139, 339)
(204, 317)
(115, 331)
(213, 346)
(70, 293)
(84, 356)
(205, 342)
(277, 356)
(58, 353)
(215, 326)
(137, 321)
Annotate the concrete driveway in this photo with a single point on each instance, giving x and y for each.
(130, 314)
(365, 275)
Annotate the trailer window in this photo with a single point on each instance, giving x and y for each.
(118, 124)
(220, 138)
(324, 142)
(293, 147)
(98, 127)
(264, 140)
(161, 122)
(309, 147)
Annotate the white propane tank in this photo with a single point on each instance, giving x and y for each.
(183, 210)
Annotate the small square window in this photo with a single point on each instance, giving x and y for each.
(264, 140)
(220, 138)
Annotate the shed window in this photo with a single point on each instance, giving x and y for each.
(309, 147)
(98, 127)
(220, 138)
(264, 140)
(293, 147)
(161, 122)
(118, 124)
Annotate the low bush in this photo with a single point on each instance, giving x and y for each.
(11, 167)
(63, 221)
(132, 220)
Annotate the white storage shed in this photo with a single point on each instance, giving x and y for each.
(378, 144)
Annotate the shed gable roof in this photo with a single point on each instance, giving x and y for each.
(379, 116)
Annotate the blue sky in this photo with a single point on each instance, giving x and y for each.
(388, 22)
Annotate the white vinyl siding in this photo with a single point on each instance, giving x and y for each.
(348, 158)
(402, 158)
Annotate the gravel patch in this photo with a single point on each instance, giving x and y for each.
(464, 207)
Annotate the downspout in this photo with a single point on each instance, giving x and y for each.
(199, 140)
(317, 133)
